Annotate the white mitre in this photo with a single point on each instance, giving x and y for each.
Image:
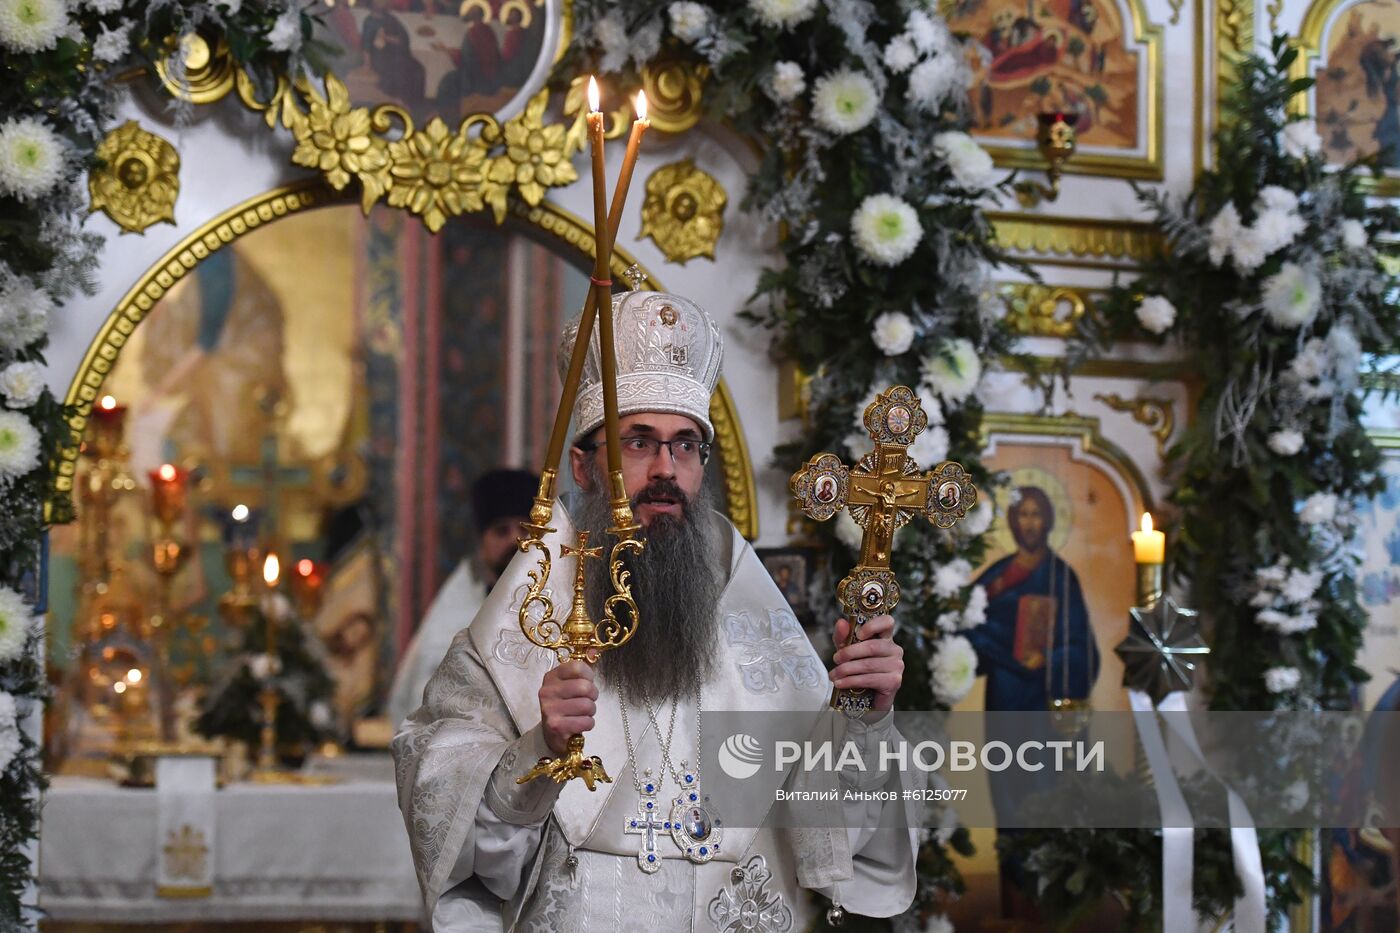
(668, 358)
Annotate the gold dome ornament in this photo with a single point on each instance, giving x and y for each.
(684, 211)
(138, 181)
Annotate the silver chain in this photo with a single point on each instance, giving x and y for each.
(627, 736)
(666, 766)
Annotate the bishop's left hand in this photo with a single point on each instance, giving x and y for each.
(875, 662)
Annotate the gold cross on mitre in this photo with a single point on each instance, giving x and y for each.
(883, 492)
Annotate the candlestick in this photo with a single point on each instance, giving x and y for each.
(108, 419)
(1149, 552)
(267, 745)
(167, 492)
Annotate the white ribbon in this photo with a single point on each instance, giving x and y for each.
(1251, 915)
(1178, 836)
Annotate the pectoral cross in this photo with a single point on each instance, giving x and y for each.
(646, 824)
(883, 493)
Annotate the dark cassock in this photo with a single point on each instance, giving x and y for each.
(650, 850)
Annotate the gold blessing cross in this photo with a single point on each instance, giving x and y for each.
(883, 492)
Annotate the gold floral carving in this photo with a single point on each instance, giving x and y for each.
(684, 211)
(434, 172)
(138, 181)
(674, 89)
(1157, 414)
(1035, 310)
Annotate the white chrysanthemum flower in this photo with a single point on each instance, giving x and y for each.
(1312, 362)
(320, 715)
(939, 923)
(610, 32)
(24, 314)
(858, 415)
(900, 54)
(844, 101)
(1345, 350)
(786, 82)
(1301, 139)
(950, 578)
(1248, 251)
(32, 25)
(847, 531)
(1156, 314)
(285, 33)
(893, 333)
(933, 80)
(979, 519)
(1282, 679)
(1286, 624)
(10, 744)
(1286, 443)
(646, 42)
(689, 21)
(953, 668)
(930, 35)
(1275, 198)
(954, 371)
(975, 612)
(31, 157)
(1318, 508)
(886, 229)
(19, 445)
(783, 14)
(1292, 295)
(1225, 228)
(970, 164)
(1301, 585)
(930, 448)
(112, 6)
(1273, 576)
(16, 619)
(948, 622)
(1354, 234)
(858, 444)
(1277, 229)
(112, 46)
(928, 400)
(21, 384)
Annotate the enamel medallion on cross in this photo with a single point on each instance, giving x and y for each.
(883, 492)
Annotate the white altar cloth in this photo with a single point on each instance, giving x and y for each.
(282, 852)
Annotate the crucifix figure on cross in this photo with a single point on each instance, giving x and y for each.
(883, 492)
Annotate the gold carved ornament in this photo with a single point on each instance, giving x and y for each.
(435, 172)
(138, 181)
(684, 211)
(674, 89)
(1035, 310)
(1157, 414)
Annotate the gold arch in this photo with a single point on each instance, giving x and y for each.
(263, 209)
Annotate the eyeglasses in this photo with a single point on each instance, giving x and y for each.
(685, 451)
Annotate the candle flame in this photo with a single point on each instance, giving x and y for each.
(167, 472)
(272, 569)
(641, 105)
(108, 402)
(240, 512)
(594, 96)
(1146, 521)
(305, 567)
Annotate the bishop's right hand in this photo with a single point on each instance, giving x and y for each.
(568, 703)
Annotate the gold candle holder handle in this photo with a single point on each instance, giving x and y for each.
(578, 637)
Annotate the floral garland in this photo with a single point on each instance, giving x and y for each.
(1275, 283)
(886, 272)
(57, 62)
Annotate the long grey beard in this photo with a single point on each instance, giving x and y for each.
(676, 582)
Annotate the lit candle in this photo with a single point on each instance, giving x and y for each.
(555, 450)
(272, 571)
(168, 491)
(1149, 546)
(107, 419)
(602, 283)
